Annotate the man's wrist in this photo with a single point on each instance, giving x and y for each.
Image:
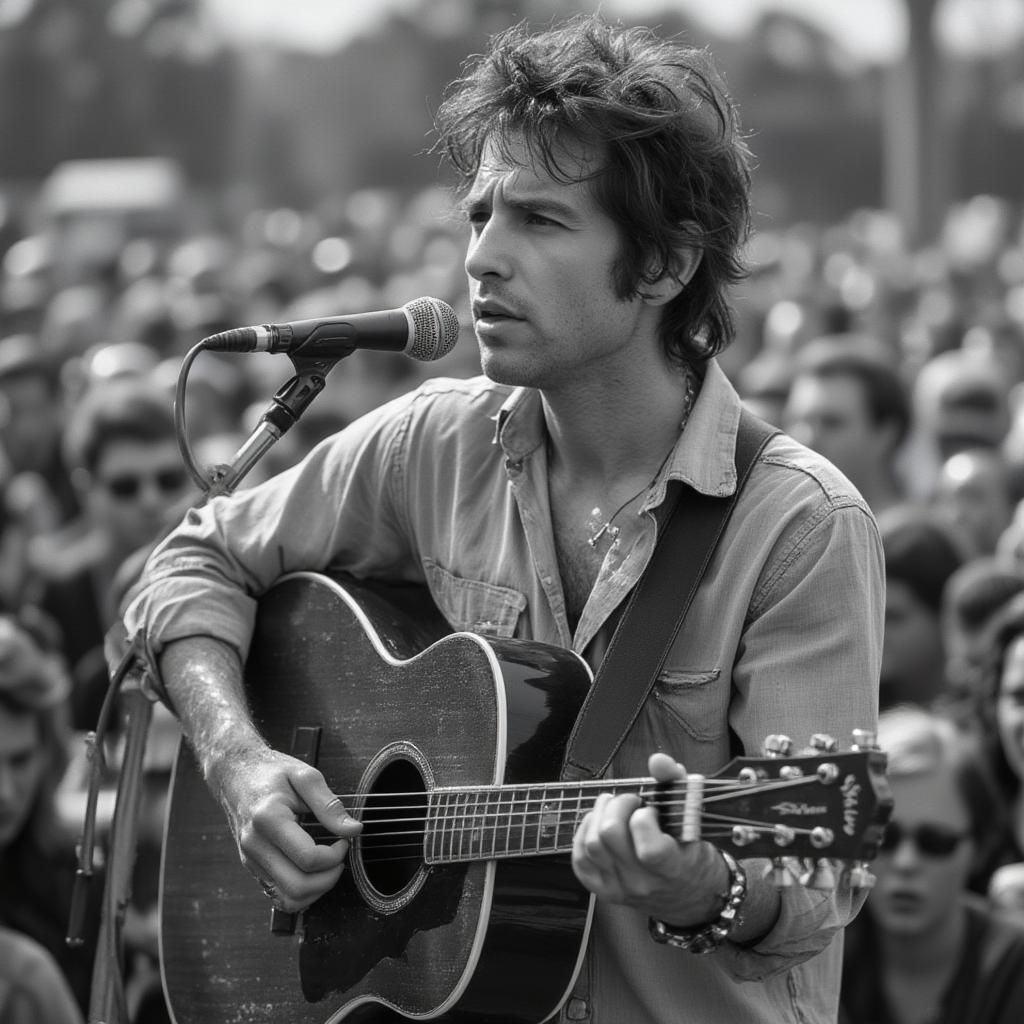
(707, 938)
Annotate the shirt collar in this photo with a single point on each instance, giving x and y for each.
(704, 456)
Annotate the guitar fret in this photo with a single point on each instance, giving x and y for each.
(465, 829)
(508, 822)
(481, 822)
(522, 819)
(492, 822)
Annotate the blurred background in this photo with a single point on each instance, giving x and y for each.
(171, 165)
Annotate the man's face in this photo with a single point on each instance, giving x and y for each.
(972, 491)
(830, 415)
(21, 770)
(913, 655)
(539, 262)
(918, 886)
(136, 491)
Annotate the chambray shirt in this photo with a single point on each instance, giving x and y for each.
(448, 486)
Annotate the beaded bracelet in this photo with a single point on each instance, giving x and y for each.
(709, 937)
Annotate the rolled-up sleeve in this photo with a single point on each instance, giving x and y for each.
(812, 646)
(330, 510)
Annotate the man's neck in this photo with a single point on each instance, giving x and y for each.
(606, 432)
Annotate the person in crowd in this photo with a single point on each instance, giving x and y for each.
(36, 493)
(922, 552)
(37, 851)
(1008, 698)
(606, 192)
(973, 598)
(31, 423)
(973, 490)
(960, 400)
(925, 950)
(132, 484)
(32, 988)
(851, 406)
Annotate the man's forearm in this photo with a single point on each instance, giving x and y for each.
(203, 680)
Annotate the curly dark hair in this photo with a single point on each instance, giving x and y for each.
(676, 170)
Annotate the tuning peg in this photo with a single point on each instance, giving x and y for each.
(823, 743)
(820, 876)
(777, 745)
(744, 835)
(781, 876)
(864, 739)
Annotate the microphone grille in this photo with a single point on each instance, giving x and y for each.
(435, 329)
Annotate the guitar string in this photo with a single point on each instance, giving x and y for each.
(549, 802)
(724, 822)
(646, 787)
(496, 853)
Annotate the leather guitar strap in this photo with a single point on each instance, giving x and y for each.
(654, 613)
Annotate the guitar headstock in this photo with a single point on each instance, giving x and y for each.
(820, 804)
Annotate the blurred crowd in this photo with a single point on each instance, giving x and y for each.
(902, 363)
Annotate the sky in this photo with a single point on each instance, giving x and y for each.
(872, 31)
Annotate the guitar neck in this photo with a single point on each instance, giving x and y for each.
(499, 822)
(812, 807)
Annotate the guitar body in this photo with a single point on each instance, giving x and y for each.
(351, 681)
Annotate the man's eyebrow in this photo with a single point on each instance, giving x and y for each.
(532, 203)
(543, 204)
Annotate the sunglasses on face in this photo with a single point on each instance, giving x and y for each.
(931, 840)
(126, 486)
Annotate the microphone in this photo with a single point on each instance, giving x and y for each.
(425, 329)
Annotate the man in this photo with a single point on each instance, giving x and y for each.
(121, 447)
(922, 551)
(607, 201)
(851, 407)
(37, 849)
(974, 492)
(31, 425)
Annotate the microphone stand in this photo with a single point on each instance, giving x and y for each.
(290, 402)
(107, 1002)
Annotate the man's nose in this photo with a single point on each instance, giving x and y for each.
(489, 252)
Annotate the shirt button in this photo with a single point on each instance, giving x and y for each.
(577, 1009)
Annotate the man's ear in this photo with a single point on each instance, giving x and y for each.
(684, 265)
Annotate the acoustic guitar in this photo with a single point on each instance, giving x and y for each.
(458, 902)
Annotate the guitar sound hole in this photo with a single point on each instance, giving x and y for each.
(394, 821)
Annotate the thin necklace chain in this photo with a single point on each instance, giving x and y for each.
(600, 527)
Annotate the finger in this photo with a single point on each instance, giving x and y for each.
(273, 829)
(294, 890)
(665, 768)
(613, 830)
(654, 849)
(324, 805)
(587, 849)
(606, 820)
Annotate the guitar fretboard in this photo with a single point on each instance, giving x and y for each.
(492, 822)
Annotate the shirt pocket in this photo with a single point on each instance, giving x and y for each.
(474, 606)
(688, 696)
